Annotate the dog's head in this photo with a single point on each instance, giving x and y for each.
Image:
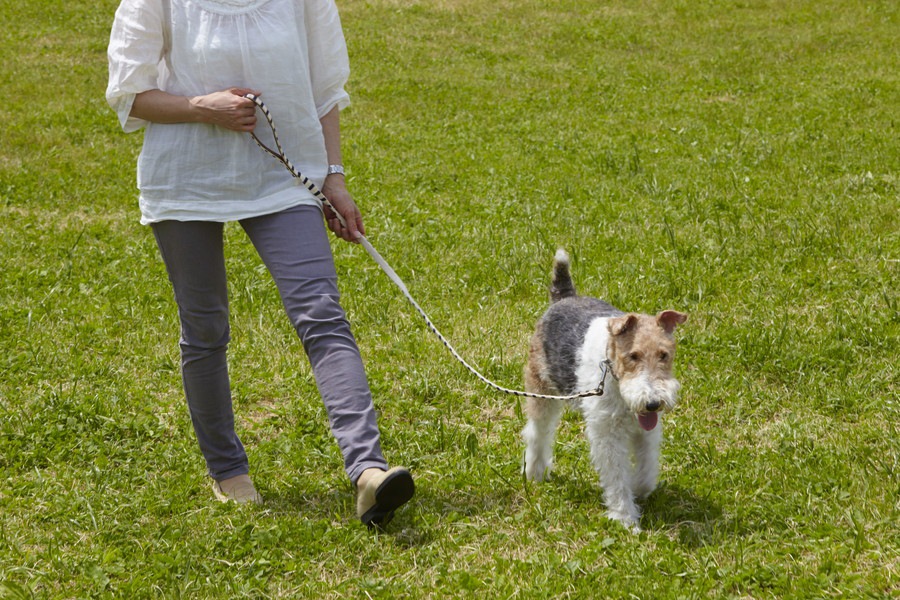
(642, 350)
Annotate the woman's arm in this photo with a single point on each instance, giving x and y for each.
(335, 188)
(227, 108)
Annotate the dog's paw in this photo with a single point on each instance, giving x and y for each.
(631, 522)
(537, 470)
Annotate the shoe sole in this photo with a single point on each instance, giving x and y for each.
(394, 492)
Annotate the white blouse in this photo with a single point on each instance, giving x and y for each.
(293, 51)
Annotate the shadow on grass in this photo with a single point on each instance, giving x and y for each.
(337, 507)
(683, 515)
(673, 510)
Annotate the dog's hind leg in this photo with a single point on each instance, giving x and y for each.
(539, 435)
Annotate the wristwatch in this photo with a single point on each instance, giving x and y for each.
(335, 169)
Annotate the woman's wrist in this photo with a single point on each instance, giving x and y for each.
(202, 109)
(195, 110)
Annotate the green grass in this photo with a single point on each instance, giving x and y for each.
(734, 160)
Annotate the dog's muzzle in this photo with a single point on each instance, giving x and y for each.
(649, 399)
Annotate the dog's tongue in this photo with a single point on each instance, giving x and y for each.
(648, 420)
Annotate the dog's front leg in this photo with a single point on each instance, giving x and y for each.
(611, 456)
(646, 458)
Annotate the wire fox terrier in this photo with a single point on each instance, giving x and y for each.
(574, 338)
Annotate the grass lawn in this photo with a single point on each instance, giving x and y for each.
(735, 160)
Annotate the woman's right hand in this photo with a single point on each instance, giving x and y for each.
(227, 108)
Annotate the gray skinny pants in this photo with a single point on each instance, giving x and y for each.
(293, 244)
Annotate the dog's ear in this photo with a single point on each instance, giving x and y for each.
(621, 325)
(670, 319)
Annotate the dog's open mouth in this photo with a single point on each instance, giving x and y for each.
(648, 420)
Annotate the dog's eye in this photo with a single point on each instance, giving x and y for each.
(635, 356)
(663, 356)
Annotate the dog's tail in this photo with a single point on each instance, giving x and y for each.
(562, 286)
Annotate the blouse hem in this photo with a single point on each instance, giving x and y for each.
(175, 211)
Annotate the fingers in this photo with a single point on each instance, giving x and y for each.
(337, 228)
(247, 122)
(351, 228)
(360, 229)
(343, 231)
(243, 101)
(240, 91)
(246, 109)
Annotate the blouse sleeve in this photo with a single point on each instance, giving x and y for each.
(135, 53)
(329, 64)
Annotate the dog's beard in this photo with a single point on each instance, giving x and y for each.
(641, 390)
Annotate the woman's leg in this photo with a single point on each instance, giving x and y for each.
(294, 246)
(193, 254)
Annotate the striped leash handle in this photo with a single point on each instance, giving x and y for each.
(279, 155)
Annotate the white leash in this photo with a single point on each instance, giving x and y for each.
(605, 366)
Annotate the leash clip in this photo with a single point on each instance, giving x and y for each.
(605, 369)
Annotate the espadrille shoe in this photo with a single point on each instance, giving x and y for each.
(237, 489)
(382, 493)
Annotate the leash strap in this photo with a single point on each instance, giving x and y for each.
(279, 155)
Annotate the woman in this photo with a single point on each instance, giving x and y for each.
(180, 70)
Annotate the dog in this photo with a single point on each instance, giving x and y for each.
(572, 341)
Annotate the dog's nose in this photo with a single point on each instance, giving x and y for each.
(653, 406)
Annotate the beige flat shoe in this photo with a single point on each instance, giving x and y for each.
(237, 489)
(382, 493)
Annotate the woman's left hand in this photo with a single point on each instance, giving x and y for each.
(336, 191)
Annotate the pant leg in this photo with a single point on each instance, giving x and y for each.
(294, 246)
(194, 258)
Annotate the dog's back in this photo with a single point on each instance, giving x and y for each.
(566, 323)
